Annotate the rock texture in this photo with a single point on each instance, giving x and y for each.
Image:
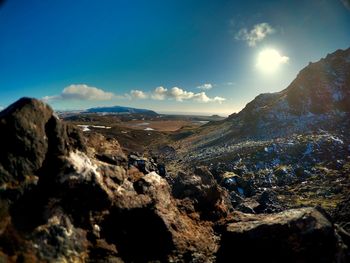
(67, 199)
(297, 235)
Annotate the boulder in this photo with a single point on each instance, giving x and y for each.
(146, 225)
(297, 235)
(212, 201)
(30, 137)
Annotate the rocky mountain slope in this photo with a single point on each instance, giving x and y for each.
(319, 98)
(67, 198)
(284, 150)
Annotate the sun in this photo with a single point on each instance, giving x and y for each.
(269, 60)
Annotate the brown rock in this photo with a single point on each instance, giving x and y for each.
(297, 235)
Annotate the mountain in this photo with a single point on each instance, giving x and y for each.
(291, 147)
(320, 91)
(318, 98)
(121, 110)
(65, 197)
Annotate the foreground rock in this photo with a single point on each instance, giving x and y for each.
(297, 235)
(84, 203)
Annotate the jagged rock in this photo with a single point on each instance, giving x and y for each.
(148, 225)
(30, 135)
(297, 235)
(209, 198)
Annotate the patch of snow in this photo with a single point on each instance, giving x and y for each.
(148, 129)
(85, 128)
(83, 167)
(336, 139)
(143, 124)
(124, 132)
(100, 127)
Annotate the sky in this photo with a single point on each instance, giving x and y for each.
(184, 56)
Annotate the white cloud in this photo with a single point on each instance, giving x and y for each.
(205, 86)
(84, 92)
(81, 92)
(159, 93)
(178, 94)
(138, 94)
(258, 33)
(218, 99)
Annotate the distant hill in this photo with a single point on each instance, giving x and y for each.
(121, 110)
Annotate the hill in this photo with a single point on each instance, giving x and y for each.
(292, 144)
(121, 110)
(319, 98)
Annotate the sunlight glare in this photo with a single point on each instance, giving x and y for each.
(269, 61)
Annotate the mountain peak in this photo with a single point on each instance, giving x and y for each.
(320, 88)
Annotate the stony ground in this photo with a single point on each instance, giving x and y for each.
(69, 197)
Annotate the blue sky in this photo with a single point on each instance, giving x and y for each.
(182, 56)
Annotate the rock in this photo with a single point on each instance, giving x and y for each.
(209, 198)
(59, 241)
(268, 202)
(24, 143)
(297, 235)
(65, 199)
(341, 214)
(30, 135)
(242, 185)
(248, 205)
(148, 226)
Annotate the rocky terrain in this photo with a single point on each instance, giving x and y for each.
(67, 198)
(291, 147)
(268, 184)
